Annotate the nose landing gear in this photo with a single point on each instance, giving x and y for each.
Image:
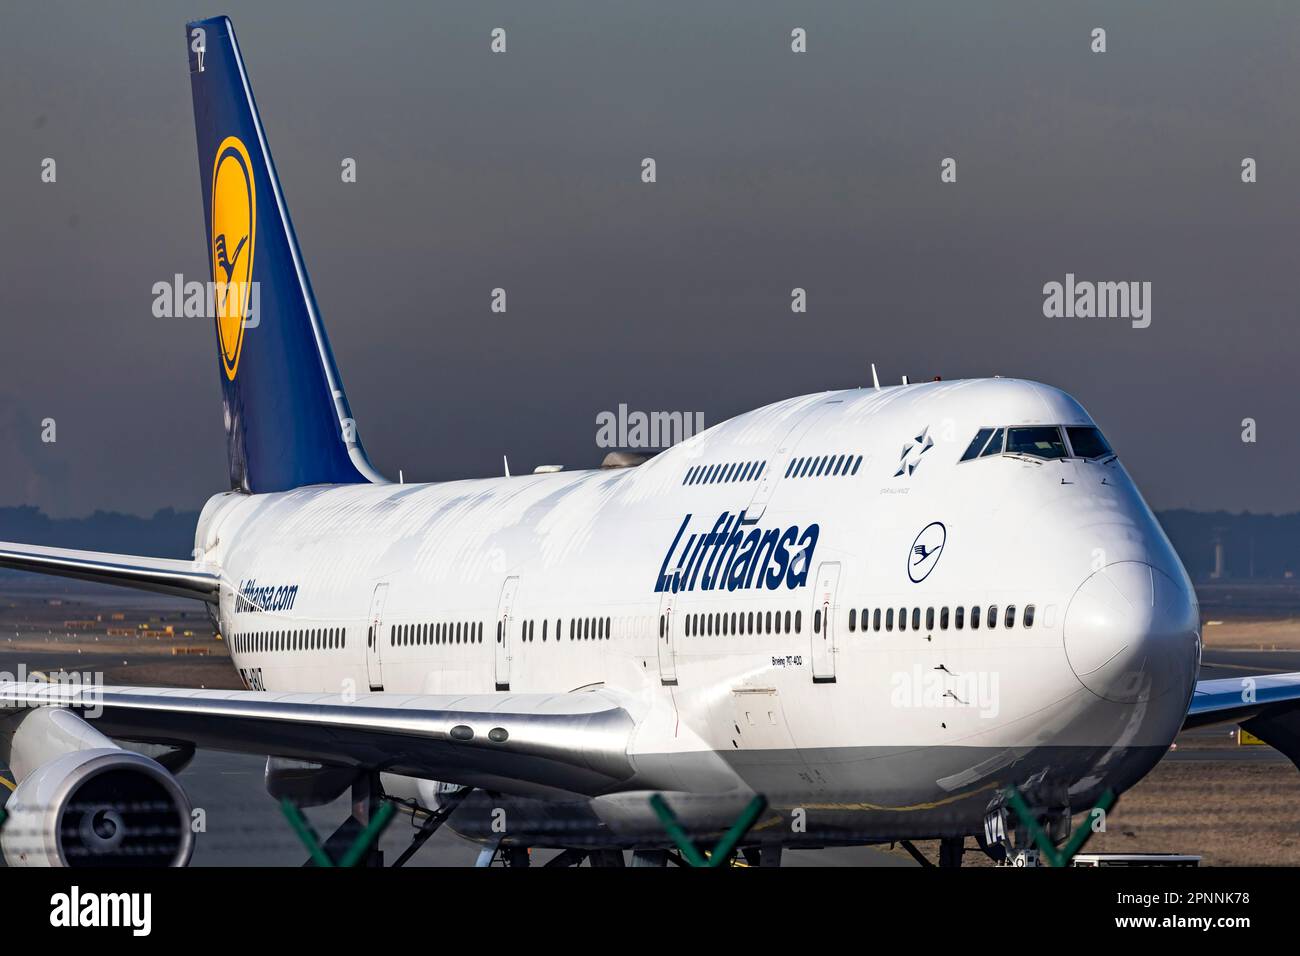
(1008, 839)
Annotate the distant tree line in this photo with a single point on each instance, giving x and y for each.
(168, 534)
(1248, 546)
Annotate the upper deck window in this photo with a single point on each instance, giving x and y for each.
(1087, 442)
(1038, 441)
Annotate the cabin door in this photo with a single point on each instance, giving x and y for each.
(505, 625)
(374, 637)
(772, 473)
(823, 623)
(667, 652)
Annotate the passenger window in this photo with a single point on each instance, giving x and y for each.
(817, 622)
(960, 620)
(902, 619)
(1041, 441)
(889, 619)
(916, 618)
(1029, 615)
(1011, 616)
(798, 622)
(975, 619)
(853, 620)
(976, 444)
(943, 619)
(856, 465)
(992, 620)
(1087, 442)
(875, 619)
(929, 619)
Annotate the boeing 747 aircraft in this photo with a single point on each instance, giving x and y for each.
(879, 608)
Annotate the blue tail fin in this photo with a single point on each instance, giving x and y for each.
(287, 420)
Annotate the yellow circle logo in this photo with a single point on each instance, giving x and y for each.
(234, 227)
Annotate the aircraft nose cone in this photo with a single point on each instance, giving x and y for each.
(1131, 633)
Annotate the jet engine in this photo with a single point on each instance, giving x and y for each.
(82, 800)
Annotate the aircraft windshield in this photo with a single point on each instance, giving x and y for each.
(1039, 441)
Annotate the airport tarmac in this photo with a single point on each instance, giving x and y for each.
(245, 827)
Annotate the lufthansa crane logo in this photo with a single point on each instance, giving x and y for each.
(234, 235)
(926, 550)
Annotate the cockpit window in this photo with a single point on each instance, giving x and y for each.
(1038, 441)
(977, 444)
(1087, 442)
(994, 447)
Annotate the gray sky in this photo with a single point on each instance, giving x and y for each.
(775, 170)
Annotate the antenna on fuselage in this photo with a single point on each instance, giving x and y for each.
(875, 379)
(506, 461)
(904, 379)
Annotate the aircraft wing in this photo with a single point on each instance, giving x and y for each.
(576, 743)
(187, 579)
(1266, 705)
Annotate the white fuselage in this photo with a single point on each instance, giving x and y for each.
(571, 580)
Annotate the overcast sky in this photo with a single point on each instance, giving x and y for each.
(775, 170)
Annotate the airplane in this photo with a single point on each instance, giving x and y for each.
(878, 608)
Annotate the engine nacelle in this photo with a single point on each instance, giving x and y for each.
(96, 805)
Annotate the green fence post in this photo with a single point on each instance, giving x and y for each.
(370, 835)
(305, 833)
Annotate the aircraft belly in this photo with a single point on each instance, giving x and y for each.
(837, 795)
